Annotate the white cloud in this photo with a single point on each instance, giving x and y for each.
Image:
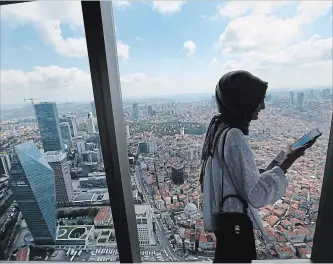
(48, 17)
(189, 47)
(214, 61)
(56, 83)
(138, 39)
(267, 33)
(121, 4)
(235, 9)
(168, 7)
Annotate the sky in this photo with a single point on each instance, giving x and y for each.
(165, 47)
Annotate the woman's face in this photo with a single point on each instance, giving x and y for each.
(260, 107)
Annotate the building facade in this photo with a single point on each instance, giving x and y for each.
(90, 124)
(49, 126)
(144, 222)
(177, 175)
(32, 183)
(71, 119)
(62, 177)
(5, 164)
(136, 111)
(66, 133)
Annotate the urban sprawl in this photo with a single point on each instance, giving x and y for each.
(54, 201)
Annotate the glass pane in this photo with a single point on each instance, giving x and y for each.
(54, 201)
(174, 53)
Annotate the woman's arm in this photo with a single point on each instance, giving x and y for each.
(258, 189)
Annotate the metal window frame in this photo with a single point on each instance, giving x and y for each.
(322, 249)
(103, 61)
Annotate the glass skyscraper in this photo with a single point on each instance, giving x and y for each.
(49, 127)
(66, 133)
(32, 183)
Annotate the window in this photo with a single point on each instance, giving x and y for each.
(137, 131)
(168, 86)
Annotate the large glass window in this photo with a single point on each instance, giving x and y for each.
(54, 181)
(178, 52)
(55, 202)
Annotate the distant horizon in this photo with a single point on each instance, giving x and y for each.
(172, 97)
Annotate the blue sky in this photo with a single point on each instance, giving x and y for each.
(166, 47)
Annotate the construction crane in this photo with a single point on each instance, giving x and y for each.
(31, 100)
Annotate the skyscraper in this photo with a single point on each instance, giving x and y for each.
(66, 134)
(93, 108)
(62, 178)
(300, 100)
(291, 99)
(90, 124)
(49, 127)
(5, 164)
(150, 110)
(71, 119)
(136, 111)
(32, 183)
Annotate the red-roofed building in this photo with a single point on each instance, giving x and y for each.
(23, 254)
(272, 220)
(103, 217)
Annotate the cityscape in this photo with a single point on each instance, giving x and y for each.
(54, 200)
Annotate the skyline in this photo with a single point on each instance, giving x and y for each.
(43, 49)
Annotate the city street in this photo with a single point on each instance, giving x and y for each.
(160, 232)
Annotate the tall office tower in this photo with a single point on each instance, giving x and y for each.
(81, 147)
(291, 99)
(177, 174)
(66, 134)
(62, 177)
(49, 127)
(5, 164)
(90, 124)
(182, 131)
(32, 183)
(71, 119)
(93, 109)
(136, 111)
(128, 135)
(150, 110)
(213, 102)
(300, 100)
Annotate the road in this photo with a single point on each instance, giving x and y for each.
(164, 241)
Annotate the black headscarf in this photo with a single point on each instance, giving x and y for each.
(238, 94)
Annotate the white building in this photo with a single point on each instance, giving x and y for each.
(144, 221)
(90, 124)
(128, 135)
(80, 146)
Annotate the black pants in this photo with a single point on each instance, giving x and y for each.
(219, 252)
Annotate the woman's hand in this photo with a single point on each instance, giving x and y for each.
(293, 154)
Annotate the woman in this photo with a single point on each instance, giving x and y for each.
(239, 97)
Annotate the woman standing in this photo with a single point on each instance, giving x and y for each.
(229, 167)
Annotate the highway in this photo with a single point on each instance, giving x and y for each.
(164, 241)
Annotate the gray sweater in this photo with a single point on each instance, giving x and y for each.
(242, 177)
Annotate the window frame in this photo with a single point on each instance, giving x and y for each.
(103, 61)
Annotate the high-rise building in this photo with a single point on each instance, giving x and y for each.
(300, 100)
(136, 111)
(81, 147)
(177, 174)
(291, 99)
(144, 222)
(128, 135)
(90, 124)
(66, 134)
(71, 119)
(5, 164)
(62, 177)
(32, 183)
(182, 131)
(150, 110)
(93, 109)
(49, 126)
